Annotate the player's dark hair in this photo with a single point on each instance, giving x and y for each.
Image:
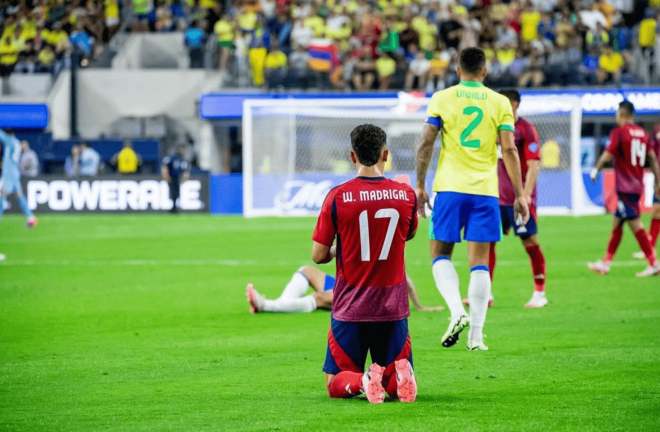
(628, 107)
(472, 60)
(512, 94)
(368, 141)
(9, 131)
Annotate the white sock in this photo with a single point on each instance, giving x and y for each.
(446, 280)
(305, 304)
(478, 294)
(297, 286)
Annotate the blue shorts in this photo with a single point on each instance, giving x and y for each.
(627, 207)
(348, 343)
(509, 221)
(10, 184)
(478, 214)
(329, 283)
(656, 199)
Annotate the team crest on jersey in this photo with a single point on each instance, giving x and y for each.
(533, 147)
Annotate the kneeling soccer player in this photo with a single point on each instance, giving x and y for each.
(293, 298)
(629, 147)
(371, 218)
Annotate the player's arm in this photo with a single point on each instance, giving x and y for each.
(414, 298)
(604, 159)
(323, 250)
(424, 152)
(608, 154)
(512, 163)
(165, 169)
(532, 153)
(321, 254)
(4, 137)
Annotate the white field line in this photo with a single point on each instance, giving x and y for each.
(247, 263)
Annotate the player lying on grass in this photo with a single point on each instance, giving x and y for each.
(374, 217)
(629, 147)
(654, 231)
(10, 181)
(470, 119)
(529, 151)
(293, 297)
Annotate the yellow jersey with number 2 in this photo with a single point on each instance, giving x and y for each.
(469, 116)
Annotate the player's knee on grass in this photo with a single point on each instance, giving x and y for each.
(315, 277)
(323, 300)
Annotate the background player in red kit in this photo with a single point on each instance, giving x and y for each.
(629, 147)
(527, 142)
(371, 219)
(655, 212)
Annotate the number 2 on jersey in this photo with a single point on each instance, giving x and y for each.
(475, 143)
(637, 152)
(389, 236)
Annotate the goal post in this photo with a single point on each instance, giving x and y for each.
(296, 150)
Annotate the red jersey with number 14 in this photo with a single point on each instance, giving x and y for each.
(371, 219)
(629, 144)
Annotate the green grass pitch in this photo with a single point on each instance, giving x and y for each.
(140, 323)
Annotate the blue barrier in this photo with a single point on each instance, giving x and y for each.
(594, 101)
(307, 191)
(23, 116)
(226, 194)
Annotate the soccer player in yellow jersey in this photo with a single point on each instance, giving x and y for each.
(470, 118)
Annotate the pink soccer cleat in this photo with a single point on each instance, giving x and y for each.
(372, 384)
(254, 298)
(31, 222)
(600, 267)
(406, 382)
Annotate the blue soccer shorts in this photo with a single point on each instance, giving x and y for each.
(627, 207)
(329, 283)
(349, 342)
(477, 215)
(656, 199)
(509, 221)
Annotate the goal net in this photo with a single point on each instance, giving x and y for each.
(296, 150)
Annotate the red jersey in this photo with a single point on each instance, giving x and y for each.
(655, 141)
(371, 218)
(527, 142)
(629, 144)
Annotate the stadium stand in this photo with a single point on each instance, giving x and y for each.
(350, 44)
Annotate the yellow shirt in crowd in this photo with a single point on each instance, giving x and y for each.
(276, 60)
(127, 161)
(385, 66)
(530, 25)
(611, 63)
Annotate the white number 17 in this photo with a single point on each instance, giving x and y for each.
(364, 233)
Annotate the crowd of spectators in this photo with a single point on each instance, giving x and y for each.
(413, 44)
(358, 44)
(40, 35)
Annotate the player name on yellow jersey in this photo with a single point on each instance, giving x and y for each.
(470, 117)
